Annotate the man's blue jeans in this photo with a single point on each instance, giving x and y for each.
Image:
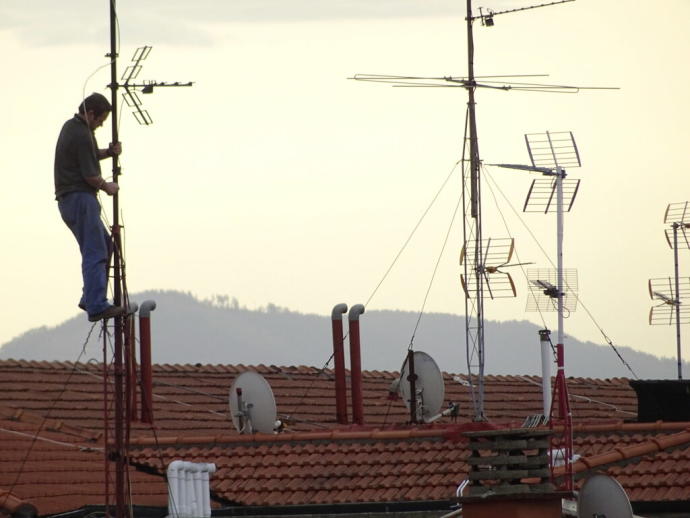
(82, 214)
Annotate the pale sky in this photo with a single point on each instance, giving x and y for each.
(277, 180)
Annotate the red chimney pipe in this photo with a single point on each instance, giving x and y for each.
(131, 362)
(356, 365)
(339, 362)
(145, 358)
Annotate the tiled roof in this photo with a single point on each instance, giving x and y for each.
(327, 471)
(313, 461)
(651, 466)
(194, 398)
(54, 469)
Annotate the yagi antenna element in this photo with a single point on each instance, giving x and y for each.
(496, 254)
(550, 154)
(130, 95)
(488, 18)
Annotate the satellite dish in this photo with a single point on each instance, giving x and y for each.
(429, 386)
(252, 405)
(603, 496)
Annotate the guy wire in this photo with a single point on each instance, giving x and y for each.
(409, 237)
(505, 224)
(577, 297)
(45, 418)
(433, 275)
(395, 259)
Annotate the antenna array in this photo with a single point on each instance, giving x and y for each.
(670, 291)
(496, 255)
(543, 290)
(549, 153)
(125, 380)
(130, 95)
(477, 271)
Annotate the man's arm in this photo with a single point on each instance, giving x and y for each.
(112, 150)
(99, 183)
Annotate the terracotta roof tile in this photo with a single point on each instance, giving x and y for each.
(384, 461)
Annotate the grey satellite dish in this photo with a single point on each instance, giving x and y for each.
(603, 496)
(430, 388)
(252, 405)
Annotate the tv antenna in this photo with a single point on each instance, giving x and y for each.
(130, 95)
(252, 405)
(670, 292)
(421, 386)
(497, 254)
(123, 343)
(551, 153)
(472, 212)
(543, 290)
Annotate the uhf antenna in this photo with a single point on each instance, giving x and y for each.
(543, 290)
(474, 267)
(670, 292)
(550, 154)
(130, 95)
(123, 383)
(496, 256)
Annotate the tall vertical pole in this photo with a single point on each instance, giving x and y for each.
(119, 449)
(476, 221)
(562, 390)
(412, 380)
(560, 173)
(676, 302)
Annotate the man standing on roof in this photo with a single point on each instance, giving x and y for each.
(77, 181)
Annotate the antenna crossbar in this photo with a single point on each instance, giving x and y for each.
(463, 82)
(491, 13)
(130, 96)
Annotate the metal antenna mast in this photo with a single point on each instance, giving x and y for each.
(551, 153)
(474, 255)
(669, 291)
(123, 385)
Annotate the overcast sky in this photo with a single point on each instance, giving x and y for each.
(276, 179)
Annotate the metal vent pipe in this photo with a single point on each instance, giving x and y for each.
(356, 364)
(145, 358)
(546, 361)
(339, 363)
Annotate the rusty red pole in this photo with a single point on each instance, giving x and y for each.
(563, 418)
(412, 379)
(339, 363)
(145, 359)
(131, 363)
(356, 365)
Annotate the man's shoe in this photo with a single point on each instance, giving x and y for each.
(109, 312)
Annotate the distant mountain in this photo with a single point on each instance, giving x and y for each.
(219, 331)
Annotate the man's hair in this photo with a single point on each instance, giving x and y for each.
(96, 103)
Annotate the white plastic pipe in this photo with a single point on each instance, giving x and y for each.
(546, 361)
(189, 489)
(174, 485)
